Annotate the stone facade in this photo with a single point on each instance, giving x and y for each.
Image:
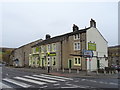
(114, 55)
(22, 54)
(69, 50)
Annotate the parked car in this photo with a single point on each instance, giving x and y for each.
(118, 68)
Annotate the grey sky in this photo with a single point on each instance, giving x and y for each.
(26, 22)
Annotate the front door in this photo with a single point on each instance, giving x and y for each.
(42, 62)
(98, 64)
(69, 63)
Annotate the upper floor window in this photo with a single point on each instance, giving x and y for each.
(77, 46)
(42, 49)
(76, 36)
(48, 47)
(54, 47)
(33, 50)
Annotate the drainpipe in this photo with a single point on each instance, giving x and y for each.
(61, 55)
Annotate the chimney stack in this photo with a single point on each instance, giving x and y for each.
(92, 23)
(75, 28)
(48, 36)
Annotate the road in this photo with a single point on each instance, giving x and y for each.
(15, 78)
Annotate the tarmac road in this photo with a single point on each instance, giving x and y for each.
(32, 78)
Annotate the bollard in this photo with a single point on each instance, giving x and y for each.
(96, 72)
(77, 70)
(104, 72)
(109, 72)
(57, 69)
(112, 72)
(116, 71)
(52, 68)
(69, 70)
(63, 70)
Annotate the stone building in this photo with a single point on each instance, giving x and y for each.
(5, 55)
(66, 51)
(114, 55)
(20, 56)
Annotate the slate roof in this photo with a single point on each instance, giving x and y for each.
(60, 37)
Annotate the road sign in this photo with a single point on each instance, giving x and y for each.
(87, 53)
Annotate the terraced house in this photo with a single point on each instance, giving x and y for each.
(66, 51)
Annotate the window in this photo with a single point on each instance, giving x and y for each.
(76, 36)
(33, 50)
(48, 48)
(54, 62)
(42, 49)
(77, 61)
(54, 47)
(77, 46)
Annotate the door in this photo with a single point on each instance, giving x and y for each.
(42, 62)
(98, 64)
(69, 63)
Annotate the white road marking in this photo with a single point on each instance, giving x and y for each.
(4, 85)
(101, 82)
(113, 83)
(57, 77)
(50, 81)
(76, 81)
(49, 77)
(68, 87)
(83, 79)
(92, 81)
(17, 83)
(29, 80)
(56, 84)
(68, 84)
(44, 87)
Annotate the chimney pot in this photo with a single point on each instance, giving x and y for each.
(48, 36)
(75, 27)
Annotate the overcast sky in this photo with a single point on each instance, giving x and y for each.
(24, 22)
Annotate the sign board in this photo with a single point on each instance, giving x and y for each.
(51, 54)
(91, 46)
(87, 53)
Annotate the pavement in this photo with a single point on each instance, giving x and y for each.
(73, 73)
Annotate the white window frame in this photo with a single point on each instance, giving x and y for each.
(76, 36)
(53, 59)
(54, 46)
(77, 64)
(48, 48)
(76, 45)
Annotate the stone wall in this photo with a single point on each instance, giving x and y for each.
(22, 53)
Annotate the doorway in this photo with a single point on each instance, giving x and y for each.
(69, 63)
(98, 64)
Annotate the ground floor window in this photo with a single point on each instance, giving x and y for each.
(77, 61)
(54, 61)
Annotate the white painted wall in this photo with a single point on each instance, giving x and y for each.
(94, 35)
